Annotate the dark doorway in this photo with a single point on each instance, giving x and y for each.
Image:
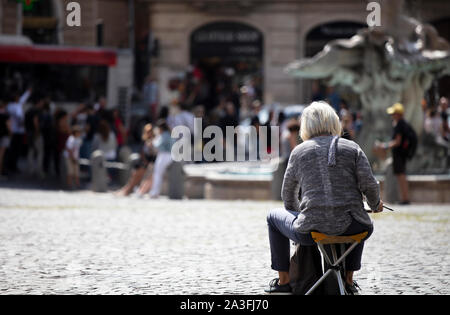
(338, 96)
(443, 28)
(40, 23)
(228, 55)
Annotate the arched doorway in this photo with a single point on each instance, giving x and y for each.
(320, 35)
(40, 22)
(315, 41)
(443, 28)
(229, 55)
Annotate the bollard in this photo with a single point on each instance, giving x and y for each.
(127, 157)
(176, 178)
(390, 184)
(99, 174)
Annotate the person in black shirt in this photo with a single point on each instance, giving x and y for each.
(443, 108)
(399, 144)
(5, 132)
(35, 153)
(47, 128)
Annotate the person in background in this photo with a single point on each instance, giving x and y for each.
(144, 167)
(343, 109)
(290, 138)
(398, 145)
(357, 122)
(150, 95)
(433, 125)
(72, 155)
(315, 91)
(348, 131)
(16, 112)
(102, 112)
(229, 118)
(119, 128)
(90, 130)
(35, 154)
(255, 122)
(5, 133)
(46, 121)
(61, 133)
(79, 116)
(333, 98)
(163, 144)
(105, 141)
(443, 111)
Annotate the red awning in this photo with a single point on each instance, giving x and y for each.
(57, 55)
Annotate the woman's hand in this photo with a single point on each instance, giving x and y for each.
(380, 206)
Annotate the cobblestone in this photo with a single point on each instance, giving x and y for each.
(85, 243)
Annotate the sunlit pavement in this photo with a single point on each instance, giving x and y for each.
(85, 243)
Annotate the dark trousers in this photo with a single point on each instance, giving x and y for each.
(16, 148)
(281, 230)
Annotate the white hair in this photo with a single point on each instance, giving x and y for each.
(319, 119)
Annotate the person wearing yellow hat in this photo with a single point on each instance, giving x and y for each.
(396, 109)
(399, 145)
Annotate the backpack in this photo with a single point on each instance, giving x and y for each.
(410, 141)
(305, 269)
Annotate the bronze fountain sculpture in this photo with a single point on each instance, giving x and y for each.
(394, 62)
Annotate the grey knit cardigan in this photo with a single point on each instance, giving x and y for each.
(330, 175)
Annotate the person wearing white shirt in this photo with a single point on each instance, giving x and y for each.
(16, 113)
(72, 155)
(105, 141)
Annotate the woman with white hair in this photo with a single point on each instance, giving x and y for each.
(330, 175)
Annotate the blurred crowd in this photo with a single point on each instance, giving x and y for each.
(195, 92)
(45, 136)
(436, 123)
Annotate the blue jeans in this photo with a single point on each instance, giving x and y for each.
(281, 230)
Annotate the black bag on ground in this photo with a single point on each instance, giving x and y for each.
(305, 269)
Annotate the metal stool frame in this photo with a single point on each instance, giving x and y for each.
(335, 263)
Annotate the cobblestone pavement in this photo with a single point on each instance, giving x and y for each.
(85, 243)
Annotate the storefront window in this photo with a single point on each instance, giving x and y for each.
(40, 23)
(226, 56)
(62, 83)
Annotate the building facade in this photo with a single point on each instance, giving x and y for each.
(105, 26)
(287, 30)
(49, 16)
(257, 38)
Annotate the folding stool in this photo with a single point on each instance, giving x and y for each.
(335, 263)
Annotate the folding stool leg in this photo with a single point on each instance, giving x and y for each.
(324, 254)
(340, 282)
(337, 273)
(346, 253)
(319, 282)
(342, 253)
(333, 262)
